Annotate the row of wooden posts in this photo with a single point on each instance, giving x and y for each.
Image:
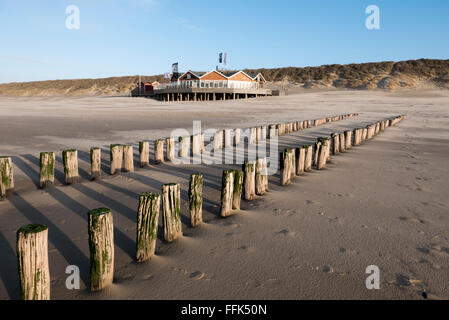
(122, 156)
(32, 239)
(297, 161)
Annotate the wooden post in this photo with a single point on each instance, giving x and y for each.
(357, 137)
(6, 173)
(249, 179)
(32, 259)
(253, 136)
(272, 131)
(300, 155)
(265, 173)
(308, 158)
(322, 144)
(227, 190)
(364, 134)
(237, 133)
(147, 221)
(227, 138)
(128, 155)
(293, 162)
(70, 161)
(116, 158)
(184, 147)
(336, 143)
(342, 143)
(196, 144)
(260, 179)
(348, 139)
(370, 132)
(218, 140)
(2, 190)
(316, 153)
(95, 163)
(144, 151)
(47, 169)
(258, 134)
(263, 133)
(101, 245)
(285, 170)
(170, 149)
(377, 128)
(196, 199)
(171, 211)
(237, 189)
(158, 151)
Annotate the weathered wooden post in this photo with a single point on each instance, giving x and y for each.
(227, 138)
(300, 155)
(253, 136)
(217, 140)
(6, 173)
(196, 199)
(47, 169)
(370, 132)
(171, 211)
(316, 153)
(144, 151)
(249, 179)
(357, 137)
(377, 128)
(32, 259)
(348, 139)
(237, 190)
(227, 190)
(364, 134)
(342, 143)
(293, 162)
(170, 149)
(336, 143)
(265, 173)
(237, 134)
(116, 158)
(322, 146)
(308, 157)
(184, 147)
(147, 221)
(101, 245)
(128, 156)
(263, 133)
(285, 169)
(2, 190)
(260, 179)
(95, 163)
(70, 161)
(159, 151)
(202, 148)
(272, 131)
(382, 125)
(196, 144)
(258, 134)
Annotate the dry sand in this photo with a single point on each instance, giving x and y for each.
(384, 203)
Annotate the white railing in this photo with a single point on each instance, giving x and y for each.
(212, 84)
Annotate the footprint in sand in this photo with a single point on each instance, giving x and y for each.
(413, 220)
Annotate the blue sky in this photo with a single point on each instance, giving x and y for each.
(129, 37)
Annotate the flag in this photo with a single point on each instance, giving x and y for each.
(225, 55)
(167, 75)
(174, 68)
(220, 57)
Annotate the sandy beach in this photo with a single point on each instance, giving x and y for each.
(384, 203)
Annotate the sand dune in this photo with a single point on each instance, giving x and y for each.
(384, 203)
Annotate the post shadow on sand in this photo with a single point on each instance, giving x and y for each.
(8, 268)
(56, 236)
(29, 171)
(59, 175)
(207, 204)
(120, 239)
